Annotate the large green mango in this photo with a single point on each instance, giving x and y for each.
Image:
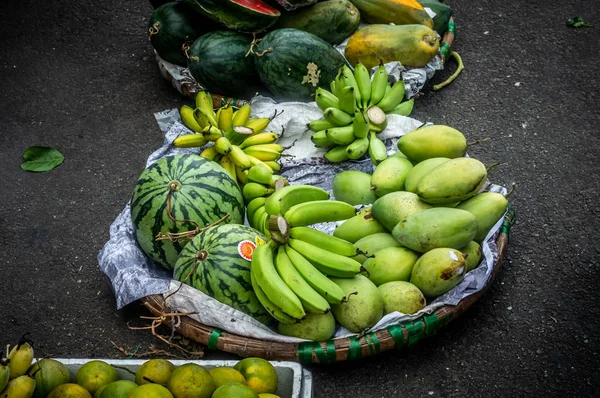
(436, 227)
(392, 208)
(433, 141)
(419, 170)
(438, 271)
(487, 207)
(452, 181)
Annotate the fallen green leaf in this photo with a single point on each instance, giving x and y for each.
(577, 22)
(41, 158)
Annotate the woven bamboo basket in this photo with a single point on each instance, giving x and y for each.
(338, 349)
(189, 87)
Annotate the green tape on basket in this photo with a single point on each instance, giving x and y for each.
(451, 27)
(214, 338)
(445, 49)
(432, 323)
(306, 349)
(509, 219)
(354, 348)
(373, 343)
(415, 331)
(397, 333)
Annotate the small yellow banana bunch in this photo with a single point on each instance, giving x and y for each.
(239, 142)
(14, 380)
(291, 273)
(354, 112)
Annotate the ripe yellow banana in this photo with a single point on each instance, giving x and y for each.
(348, 99)
(186, 113)
(204, 100)
(266, 137)
(311, 300)
(239, 158)
(378, 85)
(363, 81)
(404, 108)
(393, 98)
(265, 273)
(225, 120)
(212, 133)
(283, 199)
(319, 125)
(341, 135)
(241, 116)
(271, 147)
(273, 165)
(254, 190)
(326, 99)
(228, 165)
(337, 154)
(20, 358)
(315, 278)
(258, 125)
(262, 154)
(360, 124)
(210, 153)
(321, 140)
(337, 117)
(329, 263)
(189, 141)
(223, 145)
(254, 161)
(208, 116)
(271, 308)
(318, 211)
(241, 175)
(323, 240)
(377, 149)
(358, 148)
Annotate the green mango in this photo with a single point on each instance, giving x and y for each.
(389, 175)
(452, 181)
(392, 208)
(390, 264)
(353, 187)
(419, 170)
(317, 327)
(401, 296)
(364, 305)
(432, 141)
(438, 271)
(472, 253)
(371, 244)
(487, 207)
(116, 389)
(436, 227)
(361, 225)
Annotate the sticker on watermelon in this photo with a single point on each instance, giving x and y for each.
(246, 248)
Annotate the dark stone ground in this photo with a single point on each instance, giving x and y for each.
(81, 77)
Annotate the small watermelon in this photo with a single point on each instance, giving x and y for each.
(217, 262)
(198, 193)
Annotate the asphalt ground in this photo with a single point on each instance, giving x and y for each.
(81, 77)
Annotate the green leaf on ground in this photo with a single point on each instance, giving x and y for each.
(577, 22)
(41, 158)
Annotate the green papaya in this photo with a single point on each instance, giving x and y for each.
(331, 20)
(392, 208)
(432, 141)
(419, 170)
(389, 175)
(487, 207)
(436, 227)
(438, 271)
(452, 181)
(361, 225)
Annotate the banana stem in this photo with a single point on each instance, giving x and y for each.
(492, 165)
(459, 69)
(477, 142)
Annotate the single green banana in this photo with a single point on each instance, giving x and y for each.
(315, 278)
(186, 113)
(271, 308)
(378, 85)
(189, 141)
(325, 99)
(311, 300)
(358, 148)
(283, 199)
(260, 173)
(212, 133)
(377, 149)
(241, 116)
(341, 135)
(318, 211)
(239, 158)
(337, 154)
(266, 137)
(254, 190)
(393, 98)
(262, 153)
(263, 268)
(223, 145)
(350, 80)
(363, 81)
(257, 218)
(337, 117)
(254, 205)
(321, 140)
(319, 125)
(19, 387)
(404, 108)
(323, 240)
(348, 99)
(360, 124)
(340, 83)
(333, 88)
(329, 263)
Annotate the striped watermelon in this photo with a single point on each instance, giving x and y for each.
(217, 262)
(202, 192)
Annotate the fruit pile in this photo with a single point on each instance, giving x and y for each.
(238, 48)
(23, 376)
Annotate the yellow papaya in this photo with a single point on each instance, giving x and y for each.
(411, 45)
(398, 12)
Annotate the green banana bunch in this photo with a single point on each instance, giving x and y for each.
(355, 107)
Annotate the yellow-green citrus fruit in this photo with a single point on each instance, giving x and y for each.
(234, 389)
(94, 374)
(191, 380)
(150, 391)
(259, 373)
(69, 390)
(154, 371)
(225, 374)
(116, 389)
